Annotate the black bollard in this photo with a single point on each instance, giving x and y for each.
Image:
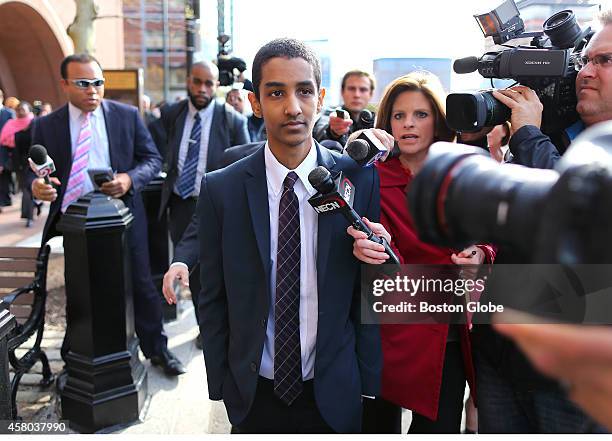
(7, 324)
(159, 241)
(107, 383)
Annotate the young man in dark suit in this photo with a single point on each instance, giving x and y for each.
(198, 130)
(279, 306)
(90, 132)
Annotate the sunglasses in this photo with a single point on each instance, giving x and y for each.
(603, 60)
(86, 84)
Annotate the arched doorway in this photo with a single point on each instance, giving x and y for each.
(32, 45)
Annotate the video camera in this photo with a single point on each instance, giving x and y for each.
(227, 64)
(547, 66)
(461, 197)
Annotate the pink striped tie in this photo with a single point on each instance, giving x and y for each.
(78, 172)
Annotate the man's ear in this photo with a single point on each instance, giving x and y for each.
(320, 100)
(255, 105)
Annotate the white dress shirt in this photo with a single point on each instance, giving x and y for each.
(206, 117)
(309, 302)
(99, 155)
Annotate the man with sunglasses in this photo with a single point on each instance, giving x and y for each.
(92, 133)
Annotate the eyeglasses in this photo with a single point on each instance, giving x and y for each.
(601, 60)
(86, 84)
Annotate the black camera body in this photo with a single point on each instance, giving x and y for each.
(547, 66)
(227, 64)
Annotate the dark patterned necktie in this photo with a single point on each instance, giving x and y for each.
(186, 183)
(287, 352)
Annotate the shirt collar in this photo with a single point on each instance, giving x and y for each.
(75, 113)
(277, 172)
(204, 113)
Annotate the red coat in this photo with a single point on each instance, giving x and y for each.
(413, 355)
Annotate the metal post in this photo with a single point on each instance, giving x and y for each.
(107, 383)
(166, 49)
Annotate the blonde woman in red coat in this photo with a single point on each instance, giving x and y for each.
(425, 366)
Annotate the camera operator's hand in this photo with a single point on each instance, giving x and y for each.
(525, 105)
(339, 126)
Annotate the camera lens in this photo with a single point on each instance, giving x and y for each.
(471, 111)
(562, 29)
(447, 212)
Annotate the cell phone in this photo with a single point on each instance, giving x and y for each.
(99, 176)
(341, 113)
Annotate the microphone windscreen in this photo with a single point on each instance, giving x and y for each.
(465, 65)
(38, 154)
(357, 150)
(320, 179)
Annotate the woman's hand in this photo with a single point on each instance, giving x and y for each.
(366, 250)
(470, 256)
(383, 136)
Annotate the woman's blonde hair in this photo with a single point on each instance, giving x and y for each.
(430, 86)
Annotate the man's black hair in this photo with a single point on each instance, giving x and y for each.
(76, 58)
(284, 48)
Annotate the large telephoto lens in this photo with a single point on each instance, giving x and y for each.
(562, 29)
(461, 197)
(471, 111)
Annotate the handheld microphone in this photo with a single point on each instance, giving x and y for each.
(40, 163)
(336, 196)
(465, 65)
(366, 149)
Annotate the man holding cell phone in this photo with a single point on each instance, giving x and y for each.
(90, 133)
(357, 90)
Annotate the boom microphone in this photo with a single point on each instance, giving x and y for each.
(337, 196)
(40, 163)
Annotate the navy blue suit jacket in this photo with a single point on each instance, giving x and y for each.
(234, 237)
(131, 149)
(5, 115)
(223, 134)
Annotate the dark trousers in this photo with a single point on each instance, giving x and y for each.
(381, 416)
(504, 408)
(181, 212)
(269, 414)
(5, 188)
(147, 307)
(27, 203)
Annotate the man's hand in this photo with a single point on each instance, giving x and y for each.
(176, 272)
(45, 192)
(579, 356)
(525, 105)
(118, 186)
(366, 250)
(339, 126)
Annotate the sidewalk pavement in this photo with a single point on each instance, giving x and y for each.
(177, 405)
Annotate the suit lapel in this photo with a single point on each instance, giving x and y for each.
(177, 136)
(257, 194)
(325, 223)
(215, 139)
(64, 141)
(113, 124)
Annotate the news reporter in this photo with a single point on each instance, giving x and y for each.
(425, 366)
